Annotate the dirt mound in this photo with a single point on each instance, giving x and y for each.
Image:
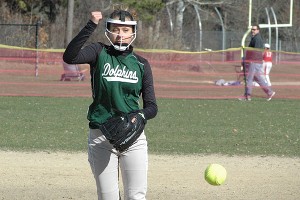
(68, 176)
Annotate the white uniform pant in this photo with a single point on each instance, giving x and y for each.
(267, 68)
(105, 160)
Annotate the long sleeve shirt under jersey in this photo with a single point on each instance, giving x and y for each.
(118, 78)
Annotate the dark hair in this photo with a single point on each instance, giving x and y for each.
(258, 28)
(121, 15)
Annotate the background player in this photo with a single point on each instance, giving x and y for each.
(118, 78)
(255, 68)
(267, 63)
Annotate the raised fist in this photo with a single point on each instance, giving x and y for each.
(96, 16)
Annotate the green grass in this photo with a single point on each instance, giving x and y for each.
(181, 127)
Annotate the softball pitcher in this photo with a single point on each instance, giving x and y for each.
(119, 77)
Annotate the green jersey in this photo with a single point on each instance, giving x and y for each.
(118, 79)
(116, 86)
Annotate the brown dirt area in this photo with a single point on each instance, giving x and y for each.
(44, 175)
(17, 79)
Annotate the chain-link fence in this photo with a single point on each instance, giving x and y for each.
(21, 35)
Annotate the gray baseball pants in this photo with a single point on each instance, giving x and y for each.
(105, 162)
(256, 72)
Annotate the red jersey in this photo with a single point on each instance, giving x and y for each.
(267, 56)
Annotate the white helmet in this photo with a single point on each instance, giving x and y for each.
(120, 46)
(267, 46)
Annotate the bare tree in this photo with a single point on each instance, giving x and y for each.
(178, 7)
(69, 29)
(173, 24)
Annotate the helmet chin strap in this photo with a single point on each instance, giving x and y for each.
(120, 46)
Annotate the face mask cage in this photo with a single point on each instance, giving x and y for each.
(120, 46)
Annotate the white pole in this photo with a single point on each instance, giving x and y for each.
(200, 26)
(250, 14)
(276, 46)
(291, 12)
(249, 25)
(70, 16)
(269, 22)
(281, 25)
(223, 28)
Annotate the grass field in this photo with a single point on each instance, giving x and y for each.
(43, 146)
(226, 127)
